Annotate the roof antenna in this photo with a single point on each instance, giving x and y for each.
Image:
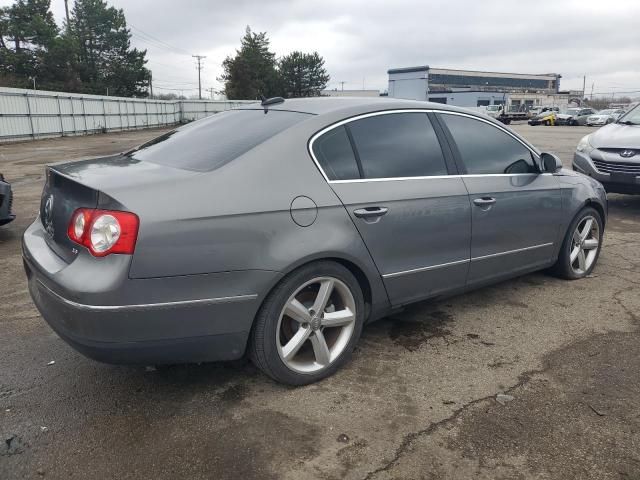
(270, 101)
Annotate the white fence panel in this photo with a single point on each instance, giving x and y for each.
(32, 114)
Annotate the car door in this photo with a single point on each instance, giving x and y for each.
(516, 210)
(393, 177)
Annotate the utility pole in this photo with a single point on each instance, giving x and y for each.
(592, 90)
(66, 10)
(210, 92)
(584, 82)
(342, 86)
(199, 58)
(151, 82)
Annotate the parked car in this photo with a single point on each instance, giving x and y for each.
(612, 154)
(6, 202)
(575, 116)
(604, 117)
(282, 229)
(537, 110)
(546, 117)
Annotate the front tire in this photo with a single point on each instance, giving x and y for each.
(308, 325)
(581, 246)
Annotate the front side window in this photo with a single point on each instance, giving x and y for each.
(485, 149)
(397, 145)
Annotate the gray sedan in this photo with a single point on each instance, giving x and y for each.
(281, 229)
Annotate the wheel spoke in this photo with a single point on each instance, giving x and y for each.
(574, 254)
(590, 244)
(338, 319)
(320, 348)
(582, 261)
(293, 345)
(297, 311)
(586, 229)
(324, 293)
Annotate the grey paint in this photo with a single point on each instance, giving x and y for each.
(212, 245)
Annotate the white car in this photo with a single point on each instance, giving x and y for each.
(604, 117)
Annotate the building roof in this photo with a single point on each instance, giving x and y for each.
(422, 68)
(426, 68)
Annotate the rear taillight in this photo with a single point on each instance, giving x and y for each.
(104, 231)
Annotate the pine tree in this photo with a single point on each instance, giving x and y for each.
(302, 74)
(27, 31)
(252, 72)
(105, 58)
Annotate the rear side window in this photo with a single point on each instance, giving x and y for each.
(214, 141)
(397, 145)
(486, 149)
(335, 155)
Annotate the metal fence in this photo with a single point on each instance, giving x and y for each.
(32, 114)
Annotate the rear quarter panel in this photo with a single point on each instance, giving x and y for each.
(238, 217)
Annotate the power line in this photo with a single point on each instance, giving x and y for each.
(199, 58)
(162, 42)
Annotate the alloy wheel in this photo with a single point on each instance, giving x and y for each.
(584, 245)
(316, 324)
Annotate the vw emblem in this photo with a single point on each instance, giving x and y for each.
(627, 153)
(47, 215)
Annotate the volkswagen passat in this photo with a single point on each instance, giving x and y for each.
(281, 229)
(612, 154)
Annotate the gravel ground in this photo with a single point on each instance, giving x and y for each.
(417, 401)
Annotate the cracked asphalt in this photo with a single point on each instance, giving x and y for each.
(417, 400)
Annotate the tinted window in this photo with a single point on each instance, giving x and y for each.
(210, 143)
(487, 149)
(335, 155)
(397, 145)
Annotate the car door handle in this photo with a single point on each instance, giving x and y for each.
(484, 201)
(370, 212)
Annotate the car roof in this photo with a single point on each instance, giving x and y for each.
(325, 105)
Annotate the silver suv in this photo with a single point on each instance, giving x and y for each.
(612, 154)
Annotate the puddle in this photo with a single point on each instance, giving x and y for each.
(412, 328)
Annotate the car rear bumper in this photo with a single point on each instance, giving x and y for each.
(582, 163)
(193, 318)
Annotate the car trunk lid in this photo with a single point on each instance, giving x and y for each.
(107, 183)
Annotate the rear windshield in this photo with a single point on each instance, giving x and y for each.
(211, 142)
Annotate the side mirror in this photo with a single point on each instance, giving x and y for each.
(550, 162)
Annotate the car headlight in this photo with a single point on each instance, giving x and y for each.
(584, 146)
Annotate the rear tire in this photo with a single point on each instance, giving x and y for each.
(581, 246)
(294, 344)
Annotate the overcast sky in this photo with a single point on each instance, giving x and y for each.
(360, 40)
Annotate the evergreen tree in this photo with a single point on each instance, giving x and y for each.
(252, 72)
(302, 74)
(27, 31)
(105, 58)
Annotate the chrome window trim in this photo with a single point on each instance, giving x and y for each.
(143, 306)
(440, 177)
(466, 260)
(413, 110)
